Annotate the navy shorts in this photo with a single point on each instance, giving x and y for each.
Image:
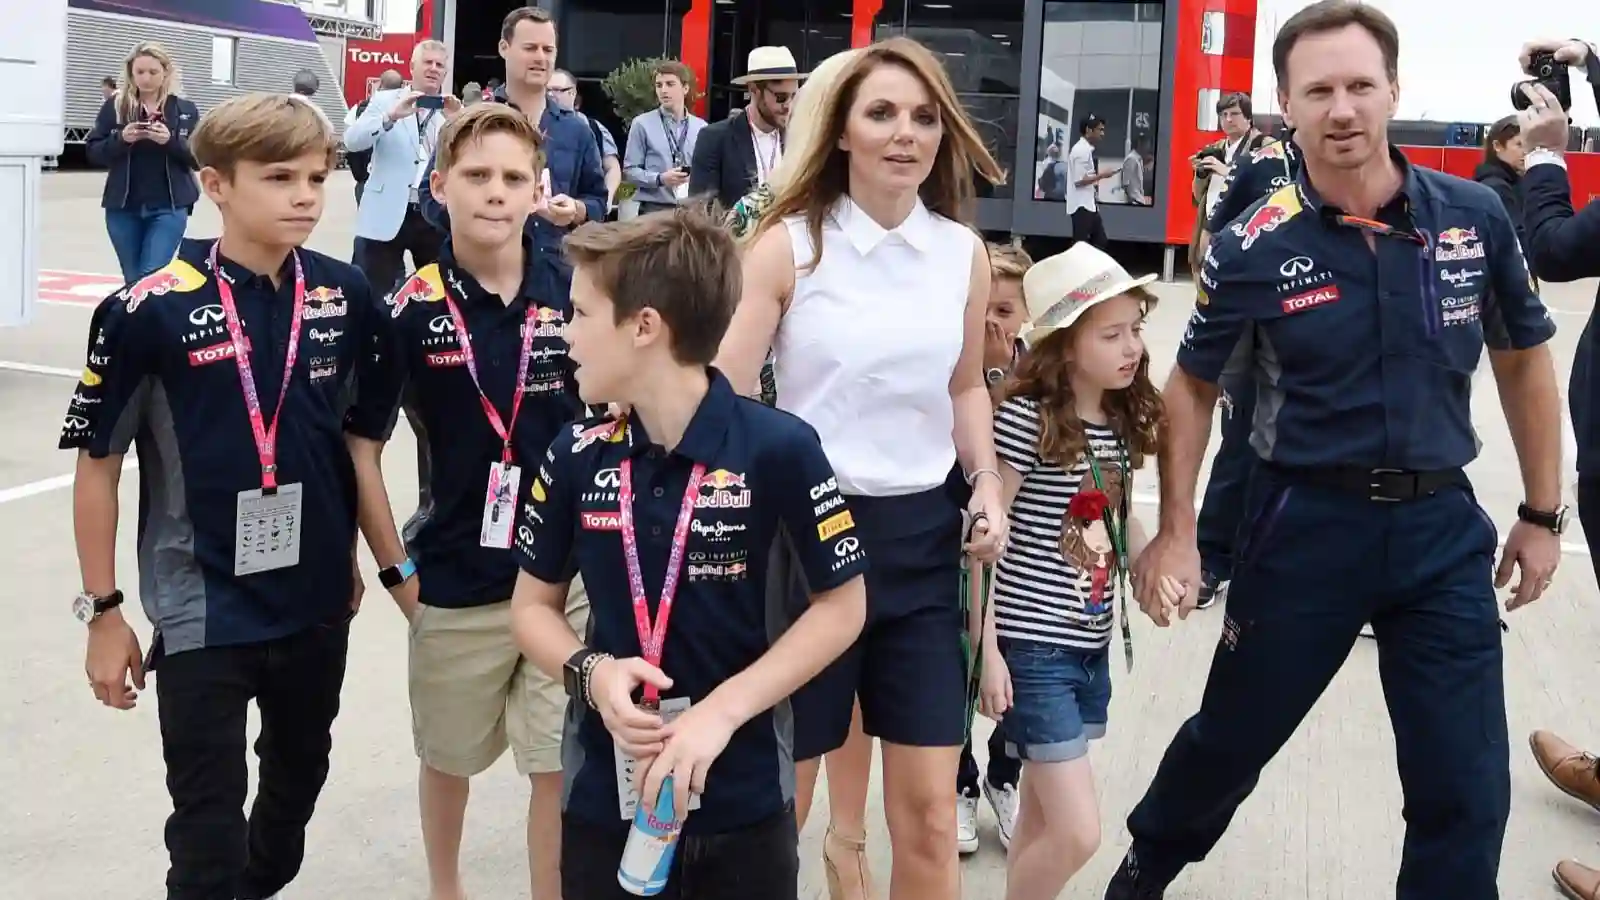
(907, 666)
(1060, 698)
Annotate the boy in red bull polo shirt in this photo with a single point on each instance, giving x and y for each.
(480, 352)
(233, 372)
(671, 516)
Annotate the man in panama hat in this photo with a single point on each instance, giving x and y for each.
(736, 154)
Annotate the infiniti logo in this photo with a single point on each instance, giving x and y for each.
(206, 315)
(441, 324)
(76, 423)
(1300, 265)
(608, 478)
(847, 546)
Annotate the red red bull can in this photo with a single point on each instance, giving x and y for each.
(652, 842)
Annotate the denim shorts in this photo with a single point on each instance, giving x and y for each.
(1060, 698)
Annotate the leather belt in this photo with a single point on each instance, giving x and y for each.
(1376, 485)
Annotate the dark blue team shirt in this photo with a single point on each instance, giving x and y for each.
(575, 167)
(453, 568)
(1254, 175)
(1365, 358)
(767, 485)
(161, 380)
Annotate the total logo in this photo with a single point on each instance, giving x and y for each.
(374, 56)
(602, 521)
(1458, 245)
(205, 356)
(1310, 299)
(445, 360)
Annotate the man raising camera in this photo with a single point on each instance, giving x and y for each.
(1561, 248)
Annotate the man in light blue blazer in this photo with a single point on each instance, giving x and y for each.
(401, 128)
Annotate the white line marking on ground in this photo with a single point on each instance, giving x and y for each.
(1567, 548)
(46, 485)
(31, 369)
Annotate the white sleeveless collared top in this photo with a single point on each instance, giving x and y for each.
(865, 352)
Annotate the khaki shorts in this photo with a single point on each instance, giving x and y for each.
(473, 693)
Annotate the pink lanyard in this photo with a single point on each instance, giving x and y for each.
(652, 640)
(501, 427)
(266, 434)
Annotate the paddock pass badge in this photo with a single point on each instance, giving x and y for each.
(652, 841)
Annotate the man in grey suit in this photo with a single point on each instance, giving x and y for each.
(401, 129)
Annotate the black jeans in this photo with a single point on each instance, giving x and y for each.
(760, 862)
(1589, 516)
(1003, 770)
(1225, 497)
(1088, 226)
(384, 262)
(203, 698)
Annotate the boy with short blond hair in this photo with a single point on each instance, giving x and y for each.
(672, 516)
(481, 358)
(232, 370)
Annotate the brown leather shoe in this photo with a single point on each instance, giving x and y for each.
(1577, 881)
(1574, 771)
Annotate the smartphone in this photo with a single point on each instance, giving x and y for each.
(430, 101)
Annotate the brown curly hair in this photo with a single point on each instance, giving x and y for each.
(1135, 412)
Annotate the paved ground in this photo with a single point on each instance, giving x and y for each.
(84, 784)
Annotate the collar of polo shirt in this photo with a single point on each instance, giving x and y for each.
(866, 235)
(466, 288)
(1411, 189)
(707, 431)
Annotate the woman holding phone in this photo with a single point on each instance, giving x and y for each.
(142, 137)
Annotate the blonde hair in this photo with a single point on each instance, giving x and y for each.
(481, 121)
(261, 128)
(127, 98)
(1008, 262)
(822, 173)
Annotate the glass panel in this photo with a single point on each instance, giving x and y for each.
(1214, 33)
(633, 29)
(1100, 59)
(224, 52)
(1206, 115)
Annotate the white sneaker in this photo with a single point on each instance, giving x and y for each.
(1004, 802)
(966, 824)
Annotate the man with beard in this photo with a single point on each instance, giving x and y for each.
(735, 155)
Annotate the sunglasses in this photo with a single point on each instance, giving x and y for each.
(779, 97)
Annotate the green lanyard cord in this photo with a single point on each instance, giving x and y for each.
(1118, 532)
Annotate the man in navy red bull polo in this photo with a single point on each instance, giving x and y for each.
(1360, 510)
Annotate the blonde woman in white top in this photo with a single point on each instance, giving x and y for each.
(865, 282)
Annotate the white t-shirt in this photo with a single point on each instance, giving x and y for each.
(769, 150)
(1040, 593)
(1080, 165)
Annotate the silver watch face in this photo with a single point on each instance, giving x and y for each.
(83, 608)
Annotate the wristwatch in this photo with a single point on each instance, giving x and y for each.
(392, 577)
(1555, 521)
(995, 376)
(578, 670)
(87, 607)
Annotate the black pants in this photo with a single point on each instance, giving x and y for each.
(203, 698)
(1589, 516)
(384, 262)
(761, 862)
(1218, 526)
(1087, 226)
(1003, 771)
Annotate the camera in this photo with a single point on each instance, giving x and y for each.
(1549, 72)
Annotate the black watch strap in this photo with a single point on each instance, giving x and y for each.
(575, 675)
(1555, 520)
(107, 603)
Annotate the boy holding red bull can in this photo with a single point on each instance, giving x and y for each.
(671, 515)
(232, 371)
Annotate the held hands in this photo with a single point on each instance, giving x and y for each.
(1534, 552)
(640, 734)
(694, 740)
(113, 656)
(1166, 577)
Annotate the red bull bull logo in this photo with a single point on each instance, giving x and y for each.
(176, 277)
(424, 286)
(1264, 220)
(613, 432)
(1458, 245)
(1273, 150)
(727, 490)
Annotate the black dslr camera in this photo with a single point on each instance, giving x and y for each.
(1547, 71)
